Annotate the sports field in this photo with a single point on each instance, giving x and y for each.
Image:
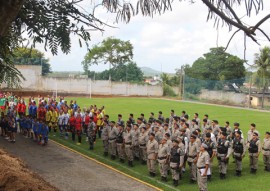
(125, 106)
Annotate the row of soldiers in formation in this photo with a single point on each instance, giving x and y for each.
(175, 141)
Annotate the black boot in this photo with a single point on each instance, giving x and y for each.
(130, 163)
(251, 170)
(122, 161)
(208, 177)
(169, 172)
(162, 179)
(236, 173)
(165, 179)
(151, 174)
(220, 175)
(154, 174)
(176, 182)
(223, 176)
(113, 157)
(239, 173)
(105, 154)
(254, 171)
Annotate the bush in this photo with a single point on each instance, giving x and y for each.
(168, 91)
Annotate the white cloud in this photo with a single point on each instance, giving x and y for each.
(172, 39)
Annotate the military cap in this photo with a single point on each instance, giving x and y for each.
(183, 120)
(158, 121)
(193, 136)
(167, 135)
(267, 132)
(223, 129)
(144, 127)
(160, 112)
(204, 120)
(176, 118)
(164, 138)
(223, 133)
(136, 124)
(113, 122)
(172, 110)
(236, 124)
(215, 121)
(239, 132)
(166, 124)
(204, 146)
(175, 140)
(142, 114)
(119, 115)
(131, 114)
(209, 128)
(208, 135)
(255, 134)
(152, 113)
(194, 120)
(253, 125)
(152, 134)
(186, 116)
(139, 118)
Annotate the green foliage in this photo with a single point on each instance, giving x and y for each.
(123, 72)
(50, 22)
(218, 68)
(192, 85)
(168, 91)
(111, 50)
(262, 62)
(27, 56)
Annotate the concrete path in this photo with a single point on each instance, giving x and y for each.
(68, 171)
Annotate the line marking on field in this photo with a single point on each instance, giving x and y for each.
(112, 168)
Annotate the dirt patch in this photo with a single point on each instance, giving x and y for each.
(14, 175)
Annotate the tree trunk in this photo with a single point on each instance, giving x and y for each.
(9, 10)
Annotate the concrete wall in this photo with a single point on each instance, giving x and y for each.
(257, 101)
(231, 97)
(35, 82)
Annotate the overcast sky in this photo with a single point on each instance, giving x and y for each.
(166, 42)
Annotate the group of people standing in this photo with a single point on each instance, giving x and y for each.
(172, 143)
(176, 142)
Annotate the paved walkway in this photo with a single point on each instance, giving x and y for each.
(67, 170)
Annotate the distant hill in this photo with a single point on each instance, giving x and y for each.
(149, 71)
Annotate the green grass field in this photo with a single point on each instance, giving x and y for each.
(114, 106)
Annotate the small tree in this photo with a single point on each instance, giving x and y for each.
(27, 56)
(111, 50)
(262, 61)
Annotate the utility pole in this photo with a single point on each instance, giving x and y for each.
(249, 91)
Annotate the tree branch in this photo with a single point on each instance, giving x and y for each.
(232, 11)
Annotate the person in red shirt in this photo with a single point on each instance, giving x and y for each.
(72, 121)
(78, 127)
(19, 108)
(23, 108)
(86, 121)
(41, 112)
